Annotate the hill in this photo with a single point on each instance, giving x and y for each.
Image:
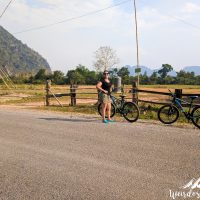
(144, 69)
(195, 69)
(18, 57)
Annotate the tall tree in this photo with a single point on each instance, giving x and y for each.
(153, 78)
(105, 58)
(58, 77)
(75, 77)
(144, 78)
(123, 72)
(41, 75)
(187, 78)
(166, 68)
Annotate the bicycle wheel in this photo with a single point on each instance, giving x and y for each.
(112, 112)
(196, 116)
(168, 114)
(130, 112)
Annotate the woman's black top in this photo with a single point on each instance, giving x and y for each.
(105, 85)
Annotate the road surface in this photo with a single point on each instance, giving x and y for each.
(46, 156)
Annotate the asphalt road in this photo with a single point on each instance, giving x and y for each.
(58, 156)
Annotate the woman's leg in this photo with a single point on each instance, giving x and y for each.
(104, 107)
(109, 110)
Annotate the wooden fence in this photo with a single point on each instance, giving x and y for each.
(73, 93)
(135, 92)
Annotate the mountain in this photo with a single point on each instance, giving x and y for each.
(195, 69)
(147, 70)
(143, 70)
(18, 57)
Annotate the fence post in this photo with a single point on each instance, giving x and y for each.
(75, 86)
(48, 86)
(134, 92)
(73, 94)
(117, 84)
(179, 93)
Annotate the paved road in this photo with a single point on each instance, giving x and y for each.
(56, 156)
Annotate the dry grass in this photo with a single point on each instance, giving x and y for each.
(26, 93)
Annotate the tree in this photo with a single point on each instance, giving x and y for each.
(169, 80)
(58, 77)
(105, 58)
(82, 70)
(144, 78)
(153, 78)
(166, 68)
(187, 78)
(88, 77)
(91, 78)
(41, 75)
(113, 73)
(124, 74)
(75, 77)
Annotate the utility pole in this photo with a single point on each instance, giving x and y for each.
(138, 70)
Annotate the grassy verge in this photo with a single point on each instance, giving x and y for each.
(150, 111)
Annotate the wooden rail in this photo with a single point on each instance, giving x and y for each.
(165, 93)
(134, 91)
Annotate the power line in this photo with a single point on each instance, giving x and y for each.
(179, 19)
(72, 19)
(5, 9)
(184, 21)
(95, 12)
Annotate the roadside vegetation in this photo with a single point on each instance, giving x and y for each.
(83, 76)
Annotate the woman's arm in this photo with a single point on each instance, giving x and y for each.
(98, 86)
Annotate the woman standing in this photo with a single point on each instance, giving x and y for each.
(104, 86)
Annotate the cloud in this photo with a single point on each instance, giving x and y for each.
(191, 8)
(68, 44)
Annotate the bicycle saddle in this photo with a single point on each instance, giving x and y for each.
(122, 96)
(193, 97)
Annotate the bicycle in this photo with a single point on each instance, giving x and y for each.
(169, 114)
(128, 110)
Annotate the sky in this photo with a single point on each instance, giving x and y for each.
(169, 31)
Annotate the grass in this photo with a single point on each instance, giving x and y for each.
(22, 100)
(152, 112)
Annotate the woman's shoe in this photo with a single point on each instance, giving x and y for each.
(105, 121)
(110, 120)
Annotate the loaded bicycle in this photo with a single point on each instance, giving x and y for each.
(128, 110)
(169, 114)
